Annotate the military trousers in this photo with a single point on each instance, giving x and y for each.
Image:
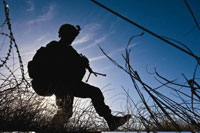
(66, 92)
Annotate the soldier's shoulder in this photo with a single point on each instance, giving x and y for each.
(52, 44)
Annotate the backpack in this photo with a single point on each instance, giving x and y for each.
(44, 62)
(37, 69)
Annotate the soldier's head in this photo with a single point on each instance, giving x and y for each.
(68, 32)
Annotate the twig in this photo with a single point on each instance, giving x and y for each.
(194, 18)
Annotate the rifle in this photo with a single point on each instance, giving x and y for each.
(90, 69)
(92, 72)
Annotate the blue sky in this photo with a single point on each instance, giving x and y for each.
(36, 22)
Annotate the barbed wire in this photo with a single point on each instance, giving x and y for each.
(150, 32)
(2, 25)
(12, 43)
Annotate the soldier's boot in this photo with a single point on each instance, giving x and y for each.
(116, 121)
(62, 117)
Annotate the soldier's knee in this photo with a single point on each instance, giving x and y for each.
(65, 113)
(97, 94)
(59, 102)
(68, 112)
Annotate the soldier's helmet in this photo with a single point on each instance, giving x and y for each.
(68, 30)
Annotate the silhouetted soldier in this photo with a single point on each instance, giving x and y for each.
(68, 68)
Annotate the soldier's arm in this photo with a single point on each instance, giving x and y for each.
(85, 61)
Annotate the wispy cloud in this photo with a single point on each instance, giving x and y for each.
(41, 38)
(82, 39)
(88, 32)
(105, 68)
(44, 17)
(99, 40)
(31, 6)
(93, 29)
(112, 53)
(30, 48)
(97, 58)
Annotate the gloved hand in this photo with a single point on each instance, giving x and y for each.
(85, 61)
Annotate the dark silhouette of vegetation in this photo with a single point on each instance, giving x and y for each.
(169, 114)
(165, 114)
(21, 109)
